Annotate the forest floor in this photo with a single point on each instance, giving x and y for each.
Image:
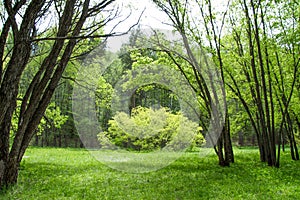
(55, 173)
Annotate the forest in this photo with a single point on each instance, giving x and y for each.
(223, 78)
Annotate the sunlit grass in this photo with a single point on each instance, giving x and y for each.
(50, 173)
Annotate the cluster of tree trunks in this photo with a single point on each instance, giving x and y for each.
(71, 29)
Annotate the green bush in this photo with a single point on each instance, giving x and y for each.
(148, 130)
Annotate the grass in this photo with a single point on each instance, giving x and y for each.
(50, 173)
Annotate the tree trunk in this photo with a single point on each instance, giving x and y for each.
(222, 161)
(229, 157)
(36, 140)
(59, 140)
(54, 140)
(9, 173)
(66, 141)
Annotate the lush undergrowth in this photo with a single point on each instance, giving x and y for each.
(49, 173)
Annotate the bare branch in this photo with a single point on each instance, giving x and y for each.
(111, 34)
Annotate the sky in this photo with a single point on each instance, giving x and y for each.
(151, 18)
(152, 15)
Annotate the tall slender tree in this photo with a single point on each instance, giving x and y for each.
(207, 87)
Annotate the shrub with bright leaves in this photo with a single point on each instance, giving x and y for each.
(148, 130)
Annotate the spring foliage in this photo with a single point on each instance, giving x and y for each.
(149, 129)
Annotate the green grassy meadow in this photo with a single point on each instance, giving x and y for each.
(53, 173)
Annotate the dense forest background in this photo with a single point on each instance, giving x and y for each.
(264, 35)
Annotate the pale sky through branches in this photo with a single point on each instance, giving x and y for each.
(152, 18)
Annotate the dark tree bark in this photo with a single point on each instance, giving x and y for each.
(264, 78)
(70, 31)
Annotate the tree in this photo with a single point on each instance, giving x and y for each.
(261, 41)
(78, 20)
(205, 79)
